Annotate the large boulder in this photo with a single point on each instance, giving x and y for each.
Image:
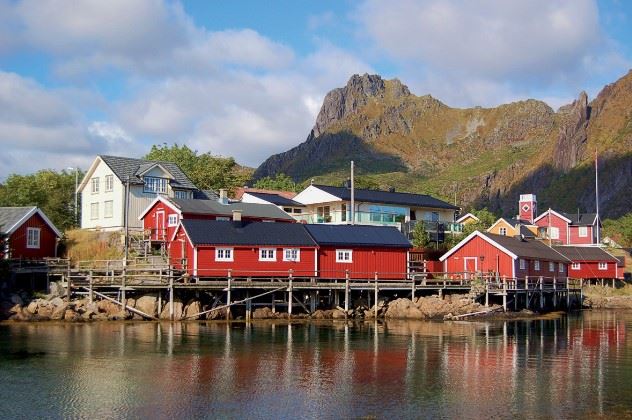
(193, 308)
(59, 312)
(177, 311)
(263, 313)
(57, 301)
(403, 309)
(70, 315)
(55, 289)
(32, 307)
(338, 314)
(16, 299)
(147, 304)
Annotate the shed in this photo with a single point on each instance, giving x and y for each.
(30, 234)
(589, 262)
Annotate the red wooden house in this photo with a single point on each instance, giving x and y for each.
(568, 228)
(29, 234)
(362, 250)
(588, 262)
(211, 248)
(511, 257)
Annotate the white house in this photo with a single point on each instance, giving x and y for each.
(291, 207)
(103, 190)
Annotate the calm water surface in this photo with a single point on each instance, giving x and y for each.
(578, 366)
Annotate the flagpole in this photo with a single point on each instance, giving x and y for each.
(597, 196)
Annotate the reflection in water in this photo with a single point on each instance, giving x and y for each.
(567, 367)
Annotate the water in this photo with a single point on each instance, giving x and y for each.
(578, 366)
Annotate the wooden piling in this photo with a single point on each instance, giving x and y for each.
(505, 294)
(347, 293)
(228, 293)
(248, 306)
(171, 298)
(376, 298)
(289, 295)
(541, 293)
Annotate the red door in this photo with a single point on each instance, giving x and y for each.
(160, 226)
(469, 266)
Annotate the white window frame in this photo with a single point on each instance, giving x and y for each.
(555, 232)
(94, 211)
(561, 267)
(523, 264)
(536, 265)
(576, 266)
(551, 266)
(33, 236)
(172, 220)
(94, 185)
(224, 254)
(603, 265)
(109, 183)
(107, 215)
(267, 254)
(181, 194)
(155, 185)
(583, 232)
(344, 256)
(503, 231)
(287, 254)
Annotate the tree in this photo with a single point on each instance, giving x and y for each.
(421, 239)
(205, 170)
(53, 192)
(485, 220)
(280, 182)
(619, 229)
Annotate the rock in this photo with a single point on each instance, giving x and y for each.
(193, 307)
(177, 311)
(47, 311)
(263, 313)
(320, 314)
(56, 290)
(59, 312)
(108, 307)
(16, 299)
(118, 316)
(70, 315)
(87, 315)
(32, 307)
(21, 315)
(147, 304)
(100, 317)
(5, 309)
(57, 301)
(338, 314)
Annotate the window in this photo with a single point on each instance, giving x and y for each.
(291, 254)
(555, 233)
(109, 182)
(551, 266)
(503, 231)
(344, 255)
(323, 214)
(33, 237)
(575, 266)
(561, 267)
(523, 264)
(155, 185)
(298, 211)
(603, 265)
(536, 265)
(182, 195)
(223, 218)
(173, 220)
(583, 231)
(94, 211)
(223, 254)
(108, 208)
(267, 254)
(343, 212)
(287, 209)
(95, 185)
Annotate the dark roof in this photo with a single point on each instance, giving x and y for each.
(585, 253)
(213, 232)
(254, 210)
(358, 235)
(581, 219)
(124, 167)
(275, 199)
(205, 195)
(387, 197)
(528, 248)
(524, 231)
(9, 216)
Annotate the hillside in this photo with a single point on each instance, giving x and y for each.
(483, 156)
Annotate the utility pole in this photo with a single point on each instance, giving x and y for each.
(597, 197)
(126, 220)
(76, 187)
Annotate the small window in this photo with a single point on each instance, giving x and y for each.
(33, 237)
(523, 264)
(344, 255)
(561, 267)
(108, 208)
(173, 220)
(95, 185)
(603, 265)
(109, 183)
(182, 195)
(555, 233)
(551, 266)
(267, 254)
(583, 231)
(576, 266)
(94, 211)
(536, 265)
(503, 231)
(287, 209)
(223, 218)
(298, 211)
(291, 254)
(223, 254)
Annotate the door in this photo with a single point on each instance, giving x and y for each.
(160, 226)
(470, 266)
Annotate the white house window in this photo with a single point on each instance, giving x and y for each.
(561, 267)
(583, 231)
(576, 266)
(155, 185)
(94, 211)
(267, 254)
(223, 254)
(503, 231)
(291, 254)
(108, 208)
(109, 183)
(344, 255)
(33, 237)
(555, 233)
(94, 182)
(523, 264)
(551, 266)
(603, 265)
(182, 195)
(173, 220)
(536, 265)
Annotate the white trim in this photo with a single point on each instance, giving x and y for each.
(169, 224)
(465, 259)
(298, 255)
(315, 261)
(37, 244)
(27, 216)
(164, 200)
(460, 219)
(225, 259)
(553, 212)
(344, 261)
(482, 236)
(602, 265)
(579, 231)
(576, 266)
(195, 260)
(152, 167)
(268, 259)
(498, 221)
(88, 175)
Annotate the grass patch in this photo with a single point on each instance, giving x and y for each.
(84, 245)
(605, 291)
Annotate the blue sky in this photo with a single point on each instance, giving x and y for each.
(246, 79)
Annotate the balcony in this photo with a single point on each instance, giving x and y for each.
(361, 218)
(436, 229)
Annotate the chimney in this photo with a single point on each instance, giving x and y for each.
(528, 207)
(236, 215)
(223, 196)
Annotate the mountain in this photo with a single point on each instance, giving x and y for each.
(478, 156)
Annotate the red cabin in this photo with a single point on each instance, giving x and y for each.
(511, 257)
(30, 234)
(568, 228)
(588, 262)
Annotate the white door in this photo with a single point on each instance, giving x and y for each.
(470, 266)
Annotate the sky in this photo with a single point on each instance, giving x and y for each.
(247, 78)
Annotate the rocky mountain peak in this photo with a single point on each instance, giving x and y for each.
(572, 136)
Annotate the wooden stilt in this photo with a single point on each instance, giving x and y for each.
(554, 293)
(568, 294)
(289, 295)
(90, 296)
(123, 278)
(376, 297)
(347, 293)
(541, 293)
(171, 314)
(487, 293)
(159, 302)
(313, 296)
(505, 295)
(228, 294)
(273, 304)
(248, 306)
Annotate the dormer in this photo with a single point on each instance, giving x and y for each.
(156, 178)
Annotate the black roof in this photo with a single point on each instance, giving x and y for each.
(263, 211)
(358, 235)
(213, 232)
(277, 199)
(528, 248)
(205, 195)
(581, 219)
(387, 197)
(124, 167)
(585, 253)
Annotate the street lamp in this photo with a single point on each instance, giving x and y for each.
(76, 186)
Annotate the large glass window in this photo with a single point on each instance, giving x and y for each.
(155, 185)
